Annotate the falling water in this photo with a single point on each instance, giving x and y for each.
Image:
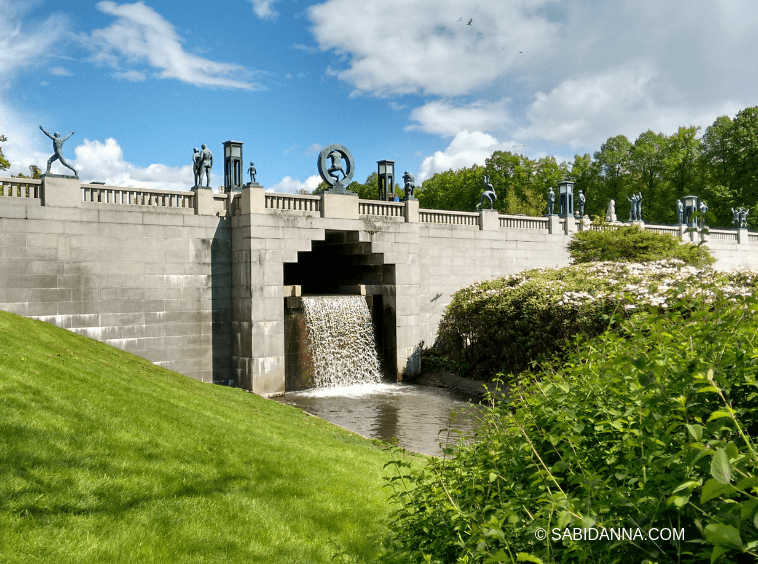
(341, 334)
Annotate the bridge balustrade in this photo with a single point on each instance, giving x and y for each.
(523, 222)
(21, 188)
(380, 208)
(293, 202)
(98, 193)
(449, 217)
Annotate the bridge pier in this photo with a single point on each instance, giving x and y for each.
(323, 249)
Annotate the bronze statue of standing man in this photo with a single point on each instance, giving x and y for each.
(58, 147)
(206, 162)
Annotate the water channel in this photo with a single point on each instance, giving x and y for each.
(418, 416)
(346, 387)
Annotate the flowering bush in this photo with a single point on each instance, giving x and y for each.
(507, 323)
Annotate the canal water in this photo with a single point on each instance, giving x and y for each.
(420, 417)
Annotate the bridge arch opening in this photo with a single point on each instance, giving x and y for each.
(341, 264)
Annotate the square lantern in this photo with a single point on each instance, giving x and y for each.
(566, 198)
(386, 178)
(232, 166)
(690, 207)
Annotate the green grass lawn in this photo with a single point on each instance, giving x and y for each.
(105, 457)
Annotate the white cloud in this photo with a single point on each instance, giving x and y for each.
(24, 45)
(264, 9)
(313, 149)
(586, 111)
(410, 46)
(291, 185)
(60, 71)
(140, 36)
(465, 150)
(574, 73)
(130, 75)
(446, 119)
(104, 162)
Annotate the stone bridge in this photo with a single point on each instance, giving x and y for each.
(199, 282)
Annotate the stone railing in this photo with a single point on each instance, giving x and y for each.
(722, 235)
(65, 191)
(98, 193)
(21, 187)
(384, 209)
(523, 222)
(448, 217)
(293, 202)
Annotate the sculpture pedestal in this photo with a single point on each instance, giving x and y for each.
(553, 223)
(339, 205)
(61, 191)
(489, 220)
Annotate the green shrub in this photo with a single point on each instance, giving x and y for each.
(634, 244)
(646, 427)
(507, 323)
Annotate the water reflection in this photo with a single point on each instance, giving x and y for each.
(413, 414)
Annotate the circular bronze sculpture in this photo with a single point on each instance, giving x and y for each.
(331, 173)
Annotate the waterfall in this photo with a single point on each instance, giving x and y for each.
(342, 344)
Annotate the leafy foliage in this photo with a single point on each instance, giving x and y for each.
(647, 427)
(632, 243)
(4, 164)
(521, 184)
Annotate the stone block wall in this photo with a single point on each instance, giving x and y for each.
(194, 281)
(152, 281)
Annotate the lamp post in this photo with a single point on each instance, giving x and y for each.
(386, 178)
(690, 207)
(566, 198)
(232, 166)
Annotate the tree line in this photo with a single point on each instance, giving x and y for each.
(720, 167)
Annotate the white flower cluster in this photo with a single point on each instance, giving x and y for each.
(636, 284)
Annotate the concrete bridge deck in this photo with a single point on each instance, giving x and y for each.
(195, 281)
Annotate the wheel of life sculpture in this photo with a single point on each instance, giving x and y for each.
(331, 173)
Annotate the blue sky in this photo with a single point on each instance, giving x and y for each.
(430, 84)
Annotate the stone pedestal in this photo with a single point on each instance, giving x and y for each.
(339, 206)
(554, 224)
(61, 191)
(570, 225)
(411, 211)
(203, 200)
(489, 220)
(253, 200)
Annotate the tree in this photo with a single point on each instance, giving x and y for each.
(719, 153)
(646, 165)
(369, 190)
(453, 190)
(4, 164)
(745, 164)
(681, 161)
(586, 175)
(613, 162)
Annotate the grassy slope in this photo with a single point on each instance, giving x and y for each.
(105, 457)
